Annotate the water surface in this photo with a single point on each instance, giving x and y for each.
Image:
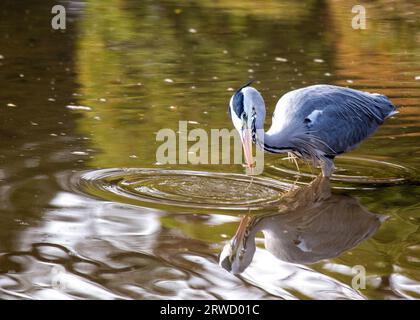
(86, 211)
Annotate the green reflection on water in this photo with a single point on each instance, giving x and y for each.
(125, 55)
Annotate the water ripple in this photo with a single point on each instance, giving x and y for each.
(352, 170)
(178, 188)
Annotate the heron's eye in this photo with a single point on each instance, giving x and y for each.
(244, 120)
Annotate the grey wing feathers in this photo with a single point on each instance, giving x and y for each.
(346, 116)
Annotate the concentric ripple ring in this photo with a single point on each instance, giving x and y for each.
(354, 170)
(181, 188)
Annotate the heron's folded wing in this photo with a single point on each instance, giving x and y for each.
(347, 117)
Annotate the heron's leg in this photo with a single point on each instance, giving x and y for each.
(327, 167)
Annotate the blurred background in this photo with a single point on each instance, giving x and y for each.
(140, 66)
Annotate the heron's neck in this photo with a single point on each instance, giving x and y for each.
(275, 140)
(271, 141)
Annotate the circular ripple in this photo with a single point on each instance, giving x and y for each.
(354, 170)
(187, 189)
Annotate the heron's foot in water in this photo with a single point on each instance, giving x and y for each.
(321, 188)
(327, 168)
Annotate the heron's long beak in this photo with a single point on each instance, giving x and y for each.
(247, 145)
(240, 232)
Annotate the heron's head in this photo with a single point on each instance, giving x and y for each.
(247, 111)
(237, 254)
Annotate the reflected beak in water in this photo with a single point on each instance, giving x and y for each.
(232, 256)
(241, 232)
(247, 145)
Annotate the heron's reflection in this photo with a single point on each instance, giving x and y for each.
(311, 224)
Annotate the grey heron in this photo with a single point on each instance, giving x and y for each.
(314, 123)
(311, 224)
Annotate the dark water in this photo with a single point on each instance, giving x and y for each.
(87, 212)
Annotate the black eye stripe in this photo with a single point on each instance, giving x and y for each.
(238, 103)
